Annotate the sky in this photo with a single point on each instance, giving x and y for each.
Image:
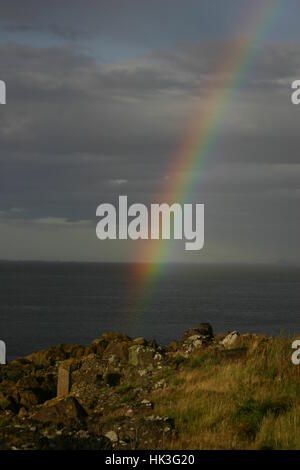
(99, 96)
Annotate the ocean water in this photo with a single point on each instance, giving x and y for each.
(42, 304)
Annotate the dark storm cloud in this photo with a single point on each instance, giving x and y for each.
(150, 22)
(134, 21)
(95, 99)
(73, 122)
(77, 131)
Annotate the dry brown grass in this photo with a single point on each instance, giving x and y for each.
(245, 399)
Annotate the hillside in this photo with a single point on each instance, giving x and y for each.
(204, 392)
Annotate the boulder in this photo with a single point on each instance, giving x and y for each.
(29, 398)
(196, 338)
(230, 339)
(144, 357)
(194, 342)
(7, 402)
(204, 329)
(98, 346)
(29, 382)
(140, 340)
(77, 441)
(61, 352)
(112, 336)
(112, 436)
(135, 431)
(66, 411)
(145, 405)
(117, 349)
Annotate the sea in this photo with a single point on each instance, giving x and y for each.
(43, 304)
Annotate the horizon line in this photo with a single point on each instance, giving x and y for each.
(190, 263)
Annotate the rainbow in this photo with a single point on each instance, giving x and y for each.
(201, 135)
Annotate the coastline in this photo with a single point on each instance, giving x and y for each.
(123, 393)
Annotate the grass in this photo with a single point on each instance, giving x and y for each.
(248, 398)
(124, 388)
(127, 399)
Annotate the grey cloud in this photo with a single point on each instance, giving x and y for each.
(72, 126)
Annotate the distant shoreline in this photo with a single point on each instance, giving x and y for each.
(172, 263)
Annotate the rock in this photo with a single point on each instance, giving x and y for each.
(28, 382)
(29, 398)
(113, 361)
(118, 349)
(196, 338)
(230, 339)
(145, 406)
(204, 329)
(194, 342)
(91, 349)
(110, 380)
(76, 442)
(139, 432)
(140, 340)
(65, 411)
(15, 371)
(112, 336)
(82, 434)
(64, 380)
(31, 390)
(143, 356)
(112, 436)
(51, 356)
(98, 346)
(7, 402)
(158, 357)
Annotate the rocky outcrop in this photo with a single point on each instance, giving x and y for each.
(66, 411)
(136, 432)
(24, 386)
(102, 395)
(203, 329)
(196, 338)
(145, 357)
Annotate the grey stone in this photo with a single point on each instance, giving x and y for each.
(112, 436)
(230, 339)
(63, 380)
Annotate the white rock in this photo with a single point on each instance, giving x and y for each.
(146, 402)
(230, 338)
(112, 436)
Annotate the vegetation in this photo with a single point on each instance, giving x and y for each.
(236, 400)
(204, 392)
